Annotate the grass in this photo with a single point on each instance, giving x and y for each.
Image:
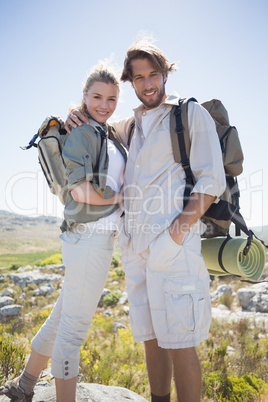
(234, 359)
(20, 260)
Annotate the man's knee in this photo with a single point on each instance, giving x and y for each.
(184, 353)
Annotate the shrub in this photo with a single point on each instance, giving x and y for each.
(53, 259)
(14, 267)
(114, 359)
(227, 300)
(115, 261)
(233, 389)
(119, 272)
(12, 356)
(111, 299)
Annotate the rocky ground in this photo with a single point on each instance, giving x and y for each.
(248, 301)
(45, 392)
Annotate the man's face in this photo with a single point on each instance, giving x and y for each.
(148, 83)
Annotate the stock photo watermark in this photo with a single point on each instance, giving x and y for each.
(27, 193)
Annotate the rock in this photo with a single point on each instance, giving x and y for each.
(23, 269)
(7, 292)
(245, 295)
(114, 283)
(44, 392)
(223, 307)
(123, 299)
(26, 278)
(44, 290)
(261, 336)
(57, 267)
(104, 393)
(118, 325)
(231, 350)
(108, 313)
(126, 309)
(104, 293)
(259, 320)
(6, 301)
(260, 303)
(254, 298)
(221, 290)
(12, 310)
(2, 277)
(47, 307)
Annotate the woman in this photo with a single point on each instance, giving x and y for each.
(95, 165)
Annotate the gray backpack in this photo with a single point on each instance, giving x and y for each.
(52, 136)
(232, 156)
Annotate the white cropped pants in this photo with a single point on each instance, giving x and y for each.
(87, 258)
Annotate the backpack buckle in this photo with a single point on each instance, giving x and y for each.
(185, 164)
(248, 245)
(179, 130)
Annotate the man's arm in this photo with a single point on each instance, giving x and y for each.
(196, 207)
(74, 119)
(122, 127)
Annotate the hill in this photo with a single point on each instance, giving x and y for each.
(23, 234)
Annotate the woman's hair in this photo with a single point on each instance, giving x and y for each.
(99, 73)
(145, 49)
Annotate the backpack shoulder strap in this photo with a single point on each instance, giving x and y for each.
(118, 145)
(130, 133)
(180, 140)
(179, 130)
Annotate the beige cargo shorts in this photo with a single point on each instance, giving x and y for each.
(168, 291)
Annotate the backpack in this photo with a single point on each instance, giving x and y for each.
(232, 156)
(53, 137)
(218, 217)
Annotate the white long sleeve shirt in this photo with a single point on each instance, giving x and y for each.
(154, 182)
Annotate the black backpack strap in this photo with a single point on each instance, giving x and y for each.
(31, 143)
(182, 130)
(223, 136)
(131, 131)
(226, 211)
(228, 237)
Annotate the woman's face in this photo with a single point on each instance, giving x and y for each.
(101, 100)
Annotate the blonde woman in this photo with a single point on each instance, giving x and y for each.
(95, 163)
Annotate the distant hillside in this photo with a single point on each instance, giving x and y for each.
(260, 232)
(22, 234)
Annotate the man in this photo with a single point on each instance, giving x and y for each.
(167, 281)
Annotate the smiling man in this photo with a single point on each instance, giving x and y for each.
(167, 281)
(148, 83)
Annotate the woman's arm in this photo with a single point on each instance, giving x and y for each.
(86, 193)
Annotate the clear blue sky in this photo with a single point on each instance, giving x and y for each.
(47, 48)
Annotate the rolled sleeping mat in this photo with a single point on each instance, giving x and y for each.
(228, 259)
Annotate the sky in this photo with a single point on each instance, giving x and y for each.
(48, 47)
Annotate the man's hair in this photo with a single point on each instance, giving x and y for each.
(145, 49)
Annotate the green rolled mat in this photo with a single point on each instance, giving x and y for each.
(233, 260)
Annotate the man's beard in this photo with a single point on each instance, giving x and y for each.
(151, 104)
